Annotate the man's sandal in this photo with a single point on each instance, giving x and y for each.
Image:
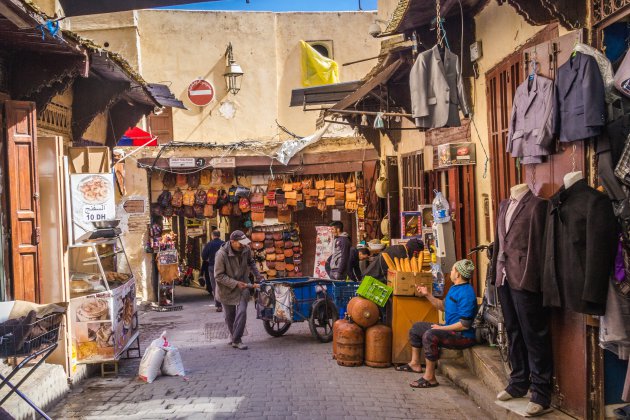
(407, 368)
(423, 383)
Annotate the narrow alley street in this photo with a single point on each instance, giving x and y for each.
(289, 377)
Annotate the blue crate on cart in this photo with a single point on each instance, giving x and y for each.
(305, 295)
(341, 293)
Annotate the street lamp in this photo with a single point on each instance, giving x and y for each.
(233, 72)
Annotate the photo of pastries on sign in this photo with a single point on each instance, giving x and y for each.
(101, 333)
(93, 310)
(94, 189)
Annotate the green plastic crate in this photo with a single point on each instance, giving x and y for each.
(374, 290)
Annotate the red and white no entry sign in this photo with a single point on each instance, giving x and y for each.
(201, 92)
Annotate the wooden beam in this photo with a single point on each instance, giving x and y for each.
(321, 160)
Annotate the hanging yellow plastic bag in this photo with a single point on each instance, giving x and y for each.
(317, 69)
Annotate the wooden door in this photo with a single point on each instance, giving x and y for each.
(161, 125)
(23, 200)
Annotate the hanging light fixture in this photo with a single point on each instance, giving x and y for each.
(233, 72)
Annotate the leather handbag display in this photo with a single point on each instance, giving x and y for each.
(277, 236)
(329, 192)
(320, 184)
(257, 245)
(351, 185)
(340, 195)
(270, 257)
(292, 202)
(278, 243)
(340, 186)
(268, 243)
(271, 273)
(271, 264)
(257, 196)
(291, 195)
(330, 201)
(269, 250)
(284, 216)
(329, 183)
(307, 183)
(258, 236)
(208, 211)
(280, 265)
(351, 196)
(321, 194)
(258, 216)
(288, 252)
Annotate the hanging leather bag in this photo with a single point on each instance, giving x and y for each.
(169, 180)
(256, 196)
(211, 196)
(193, 179)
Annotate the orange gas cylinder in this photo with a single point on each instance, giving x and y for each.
(350, 341)
(378, 346)
(335, 329)
(363, 312)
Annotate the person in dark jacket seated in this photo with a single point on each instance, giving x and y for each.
(460, 308)
(378, 268)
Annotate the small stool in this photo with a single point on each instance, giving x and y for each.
(109, 369)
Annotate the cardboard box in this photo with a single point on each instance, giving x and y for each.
(451, 154)
(404, 284)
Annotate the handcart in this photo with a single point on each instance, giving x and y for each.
(304, 299)
(37, 339)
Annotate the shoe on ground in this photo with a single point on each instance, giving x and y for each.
(239, 346)
(533, 409)
(218, 309)
(504, 396)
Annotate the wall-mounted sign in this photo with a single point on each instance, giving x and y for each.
(201, 92)
(134, 206)
(92, 200)
(223, 162)
(186, 162)
(194, 232)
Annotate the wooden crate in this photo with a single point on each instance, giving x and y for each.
(403, 312)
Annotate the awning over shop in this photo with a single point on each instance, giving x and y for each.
(137, 137)
(378, 79)
(164, 96)
(325, 94)
(92, 7)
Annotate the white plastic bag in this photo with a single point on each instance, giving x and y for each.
(172, 364)
(152, 359)
(151, 363)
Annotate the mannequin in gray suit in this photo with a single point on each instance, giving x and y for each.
(437, 91)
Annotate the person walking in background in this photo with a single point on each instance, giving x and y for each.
(208, 255)
(341, 253)
(232, 266)
(354, 262)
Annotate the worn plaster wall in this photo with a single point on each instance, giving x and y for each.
(176, 47)
(347, 33)
(117, 32)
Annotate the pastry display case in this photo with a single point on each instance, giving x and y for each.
(102, 301)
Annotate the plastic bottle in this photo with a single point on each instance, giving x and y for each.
(441, 210)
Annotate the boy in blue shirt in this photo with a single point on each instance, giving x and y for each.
(460, 308)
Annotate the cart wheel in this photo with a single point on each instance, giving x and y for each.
(322, 318)
(276, 329)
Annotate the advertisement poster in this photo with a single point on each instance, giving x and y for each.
(92, 201)
(410, 224)
(93, 334)
(125, 315)
(323, 250)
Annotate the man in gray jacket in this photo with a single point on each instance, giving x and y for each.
(232, 266)
(341, 253)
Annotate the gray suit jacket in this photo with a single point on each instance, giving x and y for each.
(579, 99)
(520, 249)
(531, 125)
(437, 91)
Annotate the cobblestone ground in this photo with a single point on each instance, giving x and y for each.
(288, 377)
